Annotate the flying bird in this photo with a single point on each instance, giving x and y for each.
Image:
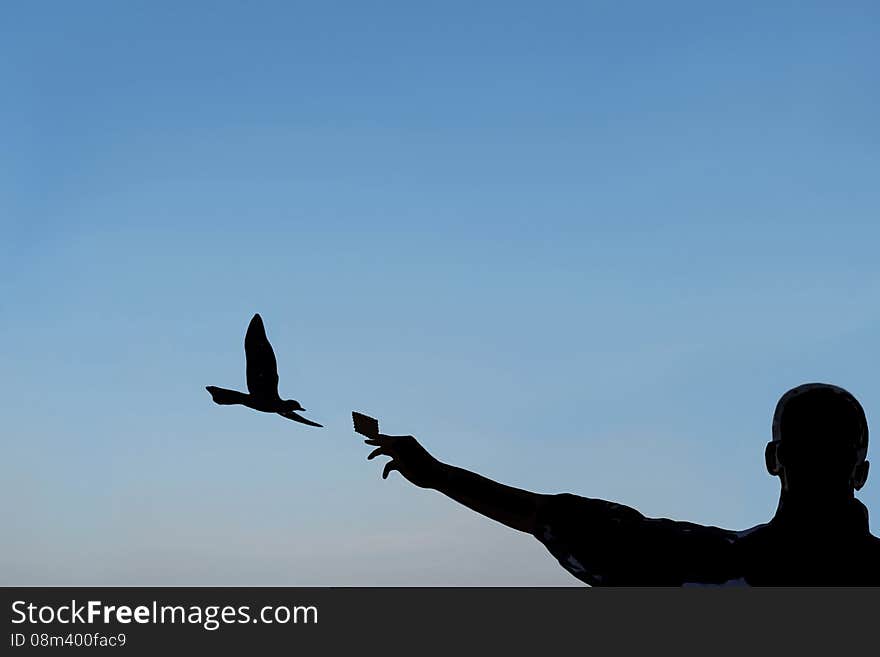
(262, 379)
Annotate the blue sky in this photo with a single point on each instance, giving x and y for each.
(580, 247)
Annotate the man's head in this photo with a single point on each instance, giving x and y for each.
(820, 442)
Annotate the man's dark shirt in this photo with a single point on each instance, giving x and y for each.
(608, 544)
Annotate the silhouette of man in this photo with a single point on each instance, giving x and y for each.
(818, 536)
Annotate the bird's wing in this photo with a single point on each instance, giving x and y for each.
(290, 415)
(262, 369)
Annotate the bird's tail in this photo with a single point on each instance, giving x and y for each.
(224, 396)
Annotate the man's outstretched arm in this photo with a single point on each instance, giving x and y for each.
(599, 542)
(510, 506)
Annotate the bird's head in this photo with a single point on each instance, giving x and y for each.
(288, 405)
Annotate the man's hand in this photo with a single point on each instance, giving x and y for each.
(510, 506)
(408, 457)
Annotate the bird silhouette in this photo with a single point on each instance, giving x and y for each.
(262, 379)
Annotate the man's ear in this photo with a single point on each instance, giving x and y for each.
(771, 458)
(860, 475)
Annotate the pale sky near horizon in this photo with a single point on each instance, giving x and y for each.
(579, 246)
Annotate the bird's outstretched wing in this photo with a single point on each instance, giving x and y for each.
(262, 369)
(290, 415)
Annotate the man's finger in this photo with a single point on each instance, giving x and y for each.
(391, 465)
(375, 453)
(374, 442)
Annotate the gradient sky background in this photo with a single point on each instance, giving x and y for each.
(575, 247)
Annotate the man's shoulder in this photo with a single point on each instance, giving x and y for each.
(769, 555)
